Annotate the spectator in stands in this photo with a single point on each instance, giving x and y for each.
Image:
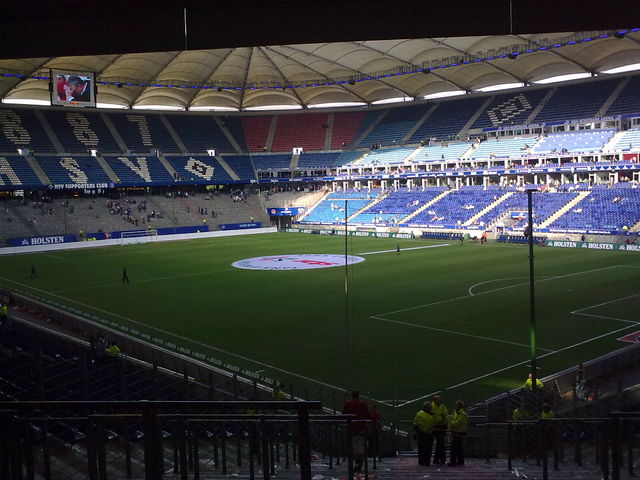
(528, 384)
(440, 425)
(357, 407)
(278, 392)
(459, 424)
(3, 314)
(423, 426)
(113, 350)
(520, 414)
(546, 411)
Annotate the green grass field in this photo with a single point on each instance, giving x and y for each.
(453, 318)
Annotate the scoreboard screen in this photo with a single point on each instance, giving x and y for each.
(73, 89)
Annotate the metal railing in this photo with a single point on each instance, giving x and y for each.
(604, 443)
(108, 439)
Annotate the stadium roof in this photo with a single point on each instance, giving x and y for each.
(247, 54)
(330, 74)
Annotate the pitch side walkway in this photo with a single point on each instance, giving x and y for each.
(407, 468)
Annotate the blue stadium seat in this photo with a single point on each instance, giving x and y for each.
(200, 133)
(81, 131)
(72, 169)
(199, 169)
(22, 129)
(142, 133)
(136, 170)
(16, 173)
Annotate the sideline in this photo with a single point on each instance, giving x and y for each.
(118, 241)
(404, 249)
(189, 340)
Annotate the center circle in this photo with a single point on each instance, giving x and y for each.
(303, 261)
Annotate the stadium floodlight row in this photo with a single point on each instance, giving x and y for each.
(611, 103)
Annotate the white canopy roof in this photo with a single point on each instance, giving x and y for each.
(322, 74)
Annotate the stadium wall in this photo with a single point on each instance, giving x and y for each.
(117, 241)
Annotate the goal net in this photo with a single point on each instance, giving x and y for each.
(138, 236)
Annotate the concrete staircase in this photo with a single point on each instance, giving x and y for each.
(165, 163)
(492, 205)
(564, 209)
(107, 169)
(37, 169)
(612, 98)
(228, 169)
(635, 228)
(423, 207)
(607, 147)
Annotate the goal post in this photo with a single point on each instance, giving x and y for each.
(138, 236)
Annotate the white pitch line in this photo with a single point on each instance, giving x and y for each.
(605, 317)
(416, 307)
(500, 280)
(404, 249)
(195, 342)
(527, 361)
(443, 330)
(606, 303)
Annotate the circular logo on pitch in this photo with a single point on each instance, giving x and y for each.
(304, 261)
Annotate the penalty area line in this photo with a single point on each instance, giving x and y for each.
(605, 303)
(462, 334)
(405, 249)
(486, 292)
(578, 344)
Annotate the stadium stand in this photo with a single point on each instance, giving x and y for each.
(368, 122)
(134, 170)
(16, 172)
(442, 152)
(331, 209)
(318, 160)
(301, 130)
(349, 157)
(242, 166)
(585, 141)
(234, 126)
(142, 133)
(396, 205)
(272, 162)
(394, 126)
(502, 148)
(605, 208)
(199, 169)
(447, 120)
(73, 169)
(510, 109)
(200, 133)
(256, 131)
(79, 132)
(22, 129)
(457, 207)
(345, 126)
(628, 101)
(387, 156)
(627, 140)
(576, 101)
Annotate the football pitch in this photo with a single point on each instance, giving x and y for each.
(449, 318)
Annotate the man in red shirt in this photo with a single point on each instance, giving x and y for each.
(357, 407)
